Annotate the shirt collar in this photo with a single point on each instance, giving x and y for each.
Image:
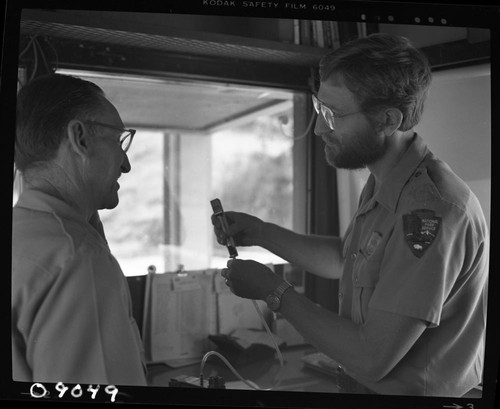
(391, 188)
(38, 200)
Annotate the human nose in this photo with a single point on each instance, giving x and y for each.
(126, 167)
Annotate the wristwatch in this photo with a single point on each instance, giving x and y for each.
(273, 300)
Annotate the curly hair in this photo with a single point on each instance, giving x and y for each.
(44, 108)
(382, 71)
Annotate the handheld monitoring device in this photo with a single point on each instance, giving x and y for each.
(219, 213)
(219, 383)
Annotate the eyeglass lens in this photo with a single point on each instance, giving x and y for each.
(126, 141)
(325, 112)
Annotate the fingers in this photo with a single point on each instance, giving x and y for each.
(215, 220)
(225, 273)
(222, 230)
(220, 236)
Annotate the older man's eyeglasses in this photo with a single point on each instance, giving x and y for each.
(327, 113)
(126, 136)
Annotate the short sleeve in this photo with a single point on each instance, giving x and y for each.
(425, 255)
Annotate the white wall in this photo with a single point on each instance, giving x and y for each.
(457, 126)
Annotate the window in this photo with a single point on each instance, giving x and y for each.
(195, 142)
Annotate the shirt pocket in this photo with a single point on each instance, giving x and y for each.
(364, 279)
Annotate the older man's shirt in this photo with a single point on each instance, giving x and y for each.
(419, 247)
(71, 309)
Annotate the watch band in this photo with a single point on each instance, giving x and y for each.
(273, 300)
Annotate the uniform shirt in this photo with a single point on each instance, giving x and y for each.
(419, 246)
(71, 308)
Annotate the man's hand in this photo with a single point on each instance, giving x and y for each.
(250, 279)
(244, 228)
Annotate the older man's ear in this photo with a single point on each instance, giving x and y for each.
(78, 138)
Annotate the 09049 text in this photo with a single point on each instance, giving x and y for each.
(38, 390)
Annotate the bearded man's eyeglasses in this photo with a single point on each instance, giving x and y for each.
(326, 112)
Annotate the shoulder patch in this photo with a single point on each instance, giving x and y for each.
(420, 229)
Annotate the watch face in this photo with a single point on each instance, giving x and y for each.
(273, 302)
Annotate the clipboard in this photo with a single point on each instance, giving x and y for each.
(179, 314)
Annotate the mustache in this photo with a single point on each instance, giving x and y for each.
(330, 139)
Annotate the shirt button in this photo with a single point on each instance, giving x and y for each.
(341, 295)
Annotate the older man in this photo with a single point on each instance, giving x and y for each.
(71, 309)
